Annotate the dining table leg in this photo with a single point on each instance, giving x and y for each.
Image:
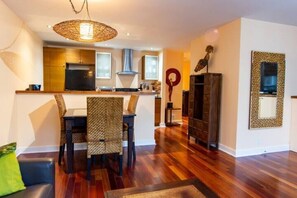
(130, 122)
(70, 145)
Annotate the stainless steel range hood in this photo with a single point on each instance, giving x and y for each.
(127, 63)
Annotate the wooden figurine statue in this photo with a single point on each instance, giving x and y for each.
(204, 61)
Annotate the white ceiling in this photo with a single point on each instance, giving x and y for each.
(153, 24)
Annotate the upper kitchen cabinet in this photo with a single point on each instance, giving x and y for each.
(53, 57)
(54, 65)
(53, 68)
(80, 56)
(150, 67)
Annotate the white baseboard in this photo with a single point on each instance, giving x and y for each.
(253, 151)
(46, 149)
(162, 124)
(36, 149)
(227, 150)
(293, 148)
(145, 142)
(178, 121)
(141, 143)
(77, 146)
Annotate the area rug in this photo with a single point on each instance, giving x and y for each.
(178, 192)
(179, 189)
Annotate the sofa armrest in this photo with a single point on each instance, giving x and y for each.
(37, 171)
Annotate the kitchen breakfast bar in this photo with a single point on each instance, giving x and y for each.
(37, 127)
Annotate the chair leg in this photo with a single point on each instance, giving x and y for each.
(120, 165)
(89, 162)
(134, 151)
(61, 153)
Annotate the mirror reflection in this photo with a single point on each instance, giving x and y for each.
(267, 107)
(268, 78)
(267, 89)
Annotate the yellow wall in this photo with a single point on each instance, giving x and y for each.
(186, 74)
(225, 60)
(172, 59)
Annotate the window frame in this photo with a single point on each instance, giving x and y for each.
(96, 65)
(146, 67)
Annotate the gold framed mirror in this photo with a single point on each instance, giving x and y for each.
(267, 90)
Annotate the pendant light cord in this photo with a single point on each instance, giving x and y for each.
(82, 7)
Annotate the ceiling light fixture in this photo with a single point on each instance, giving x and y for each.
(84, 30)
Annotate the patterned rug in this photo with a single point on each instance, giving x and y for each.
(178, 192)
(179, 189)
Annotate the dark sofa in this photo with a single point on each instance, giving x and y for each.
(39, 177)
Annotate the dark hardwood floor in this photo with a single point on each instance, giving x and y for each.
(173, 158)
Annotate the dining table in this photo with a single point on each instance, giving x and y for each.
(77, 117)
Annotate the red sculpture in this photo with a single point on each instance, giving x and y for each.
(170, 82)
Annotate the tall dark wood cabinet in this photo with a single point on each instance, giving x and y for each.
(204, 108)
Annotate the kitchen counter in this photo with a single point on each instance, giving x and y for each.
(85, 92)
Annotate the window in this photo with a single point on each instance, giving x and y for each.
(151, 67)
(103, 65)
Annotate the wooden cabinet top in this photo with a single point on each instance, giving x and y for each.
(53, 56)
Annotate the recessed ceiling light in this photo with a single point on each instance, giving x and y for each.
(49, 26)
(128, 34)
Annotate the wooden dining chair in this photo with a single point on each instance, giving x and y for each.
(104, 128)
(131, 108)
(78, 135)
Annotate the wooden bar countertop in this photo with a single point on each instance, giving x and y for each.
(85, 92)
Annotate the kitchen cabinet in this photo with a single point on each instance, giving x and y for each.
(53, 57)
(53, 69)
(80, 56)
(204, 108)
(157, 111)
(54, 65)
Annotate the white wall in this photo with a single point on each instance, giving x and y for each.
(20, 65)
(225, 60)
(266, 37)
(293, 131)
(38, 127)
(233, 44)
